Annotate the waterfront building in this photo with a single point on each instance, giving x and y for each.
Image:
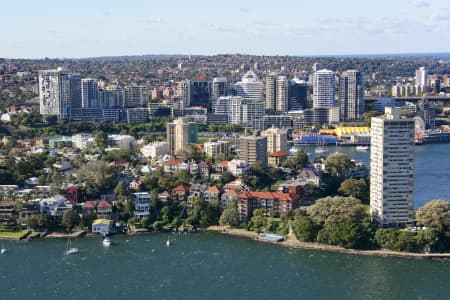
(276, 139)
(392, 169)
(422, 78)
(250, 88)
(270, 86)
(141, 205)
(323, 89)
(279, 121)
(351, 95)
(59, 91)
(253, 149)
(282, 85)
(89, 93)
(180, 133)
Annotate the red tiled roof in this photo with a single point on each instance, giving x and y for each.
(231, 193)
(103, 204)
(180, 188)
(223, 164)
(173, 162)
(279, 154)
(269, 195)
(213, 189)
(90, 204)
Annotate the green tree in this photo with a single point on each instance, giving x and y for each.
(301, 159)
(305, 228)
(338, 209)
(230, 215)
(337, 164)
(258, 222)
(435, 214)
(101, 139)
(121, 189)
(346, 234)
(70, 219)
(357, 188)
(38, 222)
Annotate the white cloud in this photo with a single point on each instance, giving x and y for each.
(419, 3)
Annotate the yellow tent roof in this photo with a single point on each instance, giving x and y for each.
(101, 222)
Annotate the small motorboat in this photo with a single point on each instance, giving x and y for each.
(107, 241)
(362, 148)
(168, 242)
(320, 150)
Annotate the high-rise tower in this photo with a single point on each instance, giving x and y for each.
(392, 169)
(351, 95)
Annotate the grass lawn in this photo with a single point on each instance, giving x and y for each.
(12, 234)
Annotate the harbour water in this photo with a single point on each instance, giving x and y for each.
(209, 266)
(432, 169)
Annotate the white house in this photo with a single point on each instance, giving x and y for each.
(141, 204)
(101, 226)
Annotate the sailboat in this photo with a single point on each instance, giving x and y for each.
(3, 250)
(69, 249)
(168, 242)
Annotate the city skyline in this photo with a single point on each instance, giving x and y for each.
(52, 29)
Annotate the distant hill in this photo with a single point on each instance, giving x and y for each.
(140, 57)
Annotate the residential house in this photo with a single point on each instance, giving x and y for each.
(164, 198)
(173, 165)
(102, 226)
(104, 210)
(8, 213)
(276, 158)
(141, 205)
(180, 193)
(212, 194)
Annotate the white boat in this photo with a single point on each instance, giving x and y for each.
(293, 150)
(320, 150)
(107, 241)
(3, 250)
(362, 148)
(168, 242)
(70, 250)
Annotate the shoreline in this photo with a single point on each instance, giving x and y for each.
(291, 241)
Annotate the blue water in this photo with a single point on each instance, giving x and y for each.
(432, 169)
(210, 266)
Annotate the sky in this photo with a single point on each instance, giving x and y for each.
(91, 28)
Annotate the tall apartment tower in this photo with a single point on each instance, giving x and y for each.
(271, 91)
(250, 88)
(297, 94)
(392, 169)
(276, 139)
(282, 94)
(218, 89)
(323, 89)
(180, 133)
(351, 95)
(135, 96)
(422, 78)
(59, 91)
(253, 149)
(89, 93)
(183, 93)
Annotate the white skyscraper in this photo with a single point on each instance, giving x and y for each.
(392, 169)
(59, 91)
(89, 93)
(183, 93)
(282, 94)
(250, 88)
(422, 78)
(323, 89)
